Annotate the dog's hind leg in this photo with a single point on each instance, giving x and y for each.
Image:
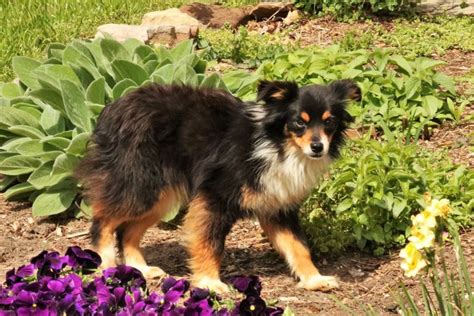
(131, 232)
(284, 232)
(204, 237)
(102, 233)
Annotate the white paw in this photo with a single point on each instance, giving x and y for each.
(152, 272)
(214, 285)
(319, 283)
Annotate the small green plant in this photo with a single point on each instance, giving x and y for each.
(429, 36)
(356, 8)
(243, 45)
(398, 94)
(375, 188)
(48, 117)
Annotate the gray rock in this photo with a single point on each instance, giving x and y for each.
(122, 32)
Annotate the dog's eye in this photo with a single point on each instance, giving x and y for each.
(330, 122)
(299, 123)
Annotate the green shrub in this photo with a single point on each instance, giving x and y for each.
(398, 94)
(243, 45)
(47, 119)
(356, 8)
(375, 188)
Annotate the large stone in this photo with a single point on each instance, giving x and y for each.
(170, 35)
(171, 17)
(217, 16)
(122, 32)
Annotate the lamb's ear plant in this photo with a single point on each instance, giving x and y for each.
(48, 117)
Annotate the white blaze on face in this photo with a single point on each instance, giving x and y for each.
(326, 142)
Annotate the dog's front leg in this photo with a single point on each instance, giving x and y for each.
(204, 231)
(285, 234)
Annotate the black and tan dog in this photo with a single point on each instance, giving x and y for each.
(165, 147)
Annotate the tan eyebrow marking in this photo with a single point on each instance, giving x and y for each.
(305, 117)
(326, 115)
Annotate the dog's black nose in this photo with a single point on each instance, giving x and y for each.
(317, 147)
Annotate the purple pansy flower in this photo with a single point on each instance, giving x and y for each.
(84, 260)
(49, 263)
(21, 273)
(252, 305)
(127, 276)
(249, 285)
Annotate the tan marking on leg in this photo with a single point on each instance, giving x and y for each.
(326, 115)
(299, 259)
(136, 228)
(106, 244)
(204, 262)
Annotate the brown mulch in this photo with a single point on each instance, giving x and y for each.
(364, 279)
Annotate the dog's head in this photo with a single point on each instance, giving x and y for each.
(312, 118)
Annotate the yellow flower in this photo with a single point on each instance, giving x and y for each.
(424, 219)
(422, 237)
(439, 207)
(413, 260)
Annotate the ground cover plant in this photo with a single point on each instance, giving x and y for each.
(71, 284)
(356, 8)
(399, 94)
(375, 188)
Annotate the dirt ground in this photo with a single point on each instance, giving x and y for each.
(364, 279)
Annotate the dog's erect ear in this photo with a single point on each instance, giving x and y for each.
(277, 91)
(346, 89)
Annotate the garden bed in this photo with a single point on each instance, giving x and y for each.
(365, 279)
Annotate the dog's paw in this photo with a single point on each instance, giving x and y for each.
(152, 272)
(215, 285)
(319, 283)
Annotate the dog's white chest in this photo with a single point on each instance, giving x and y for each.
(285, 182)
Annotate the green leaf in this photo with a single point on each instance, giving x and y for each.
(43, 177)
(182, 50)
(114, 50)
(53, 74)
(402, 63)
(33, 148)
(124, 69)
(24, 69)
(52, 121)
(50, 97)
(74, 103)
(10, 90)
(12, 117)
(412, 85)
(17, 165)
(72, 56)
(428, 63)
(212, 81)
(344, 205)
(186, 75)
(18, 190)
(121, 86)
(65, 165)
(27, 131)
(55, 200)
(431, 104)
(6, 181)
(78, 144)
(56, 141)
(445, 81)
(96, 91)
